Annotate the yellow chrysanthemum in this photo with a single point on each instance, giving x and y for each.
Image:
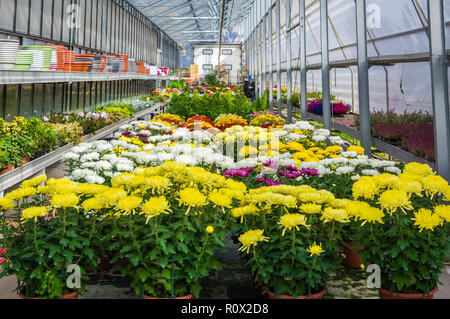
(35, 181)
(290, 221)
(62, 186)
(92, 204)
(209, 229)
(434, 184)
(355, 208)
(156, 206)
(311, 209)
(247, 151)
(386, 180)
(418, 169)
(20, 193)
(315, 249)
(358, 149)
(6, 203)
(111, 197)
(192, 197)
(220, 199)
(128, 204)
(366, 188)
(443, 211)
(151, 171)
(338, 203)
(310, 197)
(338, 215)
(241, 212)
(92, 189)
(371, 215)
(157, 184)
(122, 179)
(447, 194)
(252, 237)
(64, 200)
(410, 186)
(426, 219)
(391, 200)
(34, 212)
(173, 168)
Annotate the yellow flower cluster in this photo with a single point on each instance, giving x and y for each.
(269, 119)
(229, 121)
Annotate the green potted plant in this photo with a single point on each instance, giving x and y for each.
(291, 254)
(6, 164)
(405, 231)
(166, 235)
(45, 236)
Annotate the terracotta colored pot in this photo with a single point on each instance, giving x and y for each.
(386, 294)
(352, 258)
(26, 160)
(72, 295)
(184, 297)
(318, 295)
(7, 169)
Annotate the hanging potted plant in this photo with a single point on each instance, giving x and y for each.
(167, 234)
(405, 232)
(46, 236)
(291, 254)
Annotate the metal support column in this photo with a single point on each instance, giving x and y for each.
(255, 49)
(271, 57)
(278, 8)
(303, 70)
(261, 57)
(325, 64)
(439, 84)
(363, 77)
(264, 70)
(288, 60)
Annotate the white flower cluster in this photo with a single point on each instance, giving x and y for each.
(101, 160)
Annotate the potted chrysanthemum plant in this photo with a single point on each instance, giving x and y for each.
(292, 239)
(167, 231)
(405, 230)
(47, 239)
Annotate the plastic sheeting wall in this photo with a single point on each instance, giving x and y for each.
(398, 29)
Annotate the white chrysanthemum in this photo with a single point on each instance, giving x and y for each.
(393, 170)
(186, 159)
(319, 138)
(351, 154)
(356, 178)
(342, 170)
(70, 156)
(95, 179)
(370, 172)
(94, 156)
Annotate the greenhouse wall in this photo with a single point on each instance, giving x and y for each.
(104, 26)
(400, 87)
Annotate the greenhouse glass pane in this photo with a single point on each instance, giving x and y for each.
(35, 17)
(22, 15)
(7, 9)
(57, 18)
(12, 107)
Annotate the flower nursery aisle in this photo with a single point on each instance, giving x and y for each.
(228, 206)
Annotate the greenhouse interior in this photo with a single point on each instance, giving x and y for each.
(181, 149)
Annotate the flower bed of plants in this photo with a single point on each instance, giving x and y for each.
(338, 108)
(412, 131)
(161, 198)
(25, 139)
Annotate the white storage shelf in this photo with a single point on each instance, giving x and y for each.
(29, 77)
